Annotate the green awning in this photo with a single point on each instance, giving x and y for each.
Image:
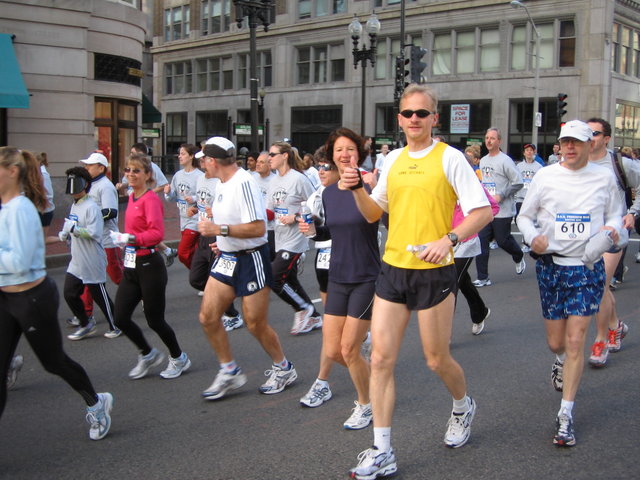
(150, 114)
(13, 93)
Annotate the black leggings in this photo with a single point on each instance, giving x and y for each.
(477, 308)
(73, 288)
(201, 263)
(146, 282)
(35, 313)
(285, 280)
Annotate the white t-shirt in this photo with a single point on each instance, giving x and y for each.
(183, 185)
(263, 185)
(566, 203)
(205, 194)
(239, 200)
(104, 193)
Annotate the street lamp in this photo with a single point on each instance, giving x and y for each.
(372, 27)
(254, 10)
(536, 98)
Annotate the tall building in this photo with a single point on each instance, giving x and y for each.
(480, 60)
(77, 68)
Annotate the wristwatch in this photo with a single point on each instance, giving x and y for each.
(453, 237)
(224, 230)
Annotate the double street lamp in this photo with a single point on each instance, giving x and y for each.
(536, 98)
(256, 11)
(372, 27)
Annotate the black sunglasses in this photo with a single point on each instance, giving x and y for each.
(325, 167)
(422, 113)
(131, 170)
(273, 154)
(596, 133)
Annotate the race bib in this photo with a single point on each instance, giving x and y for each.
(324, 256)
(182, 207)
(526, 183)
(225, 264)
(202, 213)
(491, 187)
(281, 212)
(129, 257)
(572, 226)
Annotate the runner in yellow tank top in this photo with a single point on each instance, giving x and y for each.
(418, 187)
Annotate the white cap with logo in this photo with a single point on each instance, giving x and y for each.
(96, 158)
(576, 129)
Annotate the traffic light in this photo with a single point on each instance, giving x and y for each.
(401, 75)
(561, 107)
(417, 64)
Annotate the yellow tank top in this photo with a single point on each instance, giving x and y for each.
(421, 204)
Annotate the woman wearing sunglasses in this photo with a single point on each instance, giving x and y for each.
(145, 274)
(353, 270)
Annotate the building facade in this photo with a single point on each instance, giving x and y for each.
(81, 63)
(480, 60)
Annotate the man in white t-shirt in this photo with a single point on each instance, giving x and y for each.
(242, 269)
(263, 176)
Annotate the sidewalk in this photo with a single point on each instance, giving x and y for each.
(57, 254)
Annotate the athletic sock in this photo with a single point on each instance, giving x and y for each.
(284, 364)
(561, 358)
(229, 367)
(566, 407)
(462, 405)
(382, 438)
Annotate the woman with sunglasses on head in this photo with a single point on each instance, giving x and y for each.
(182, 190)
(287, 190)
(353, 270)
(145, 274)
(28, 297)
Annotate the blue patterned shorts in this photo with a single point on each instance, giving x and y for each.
(570, 290)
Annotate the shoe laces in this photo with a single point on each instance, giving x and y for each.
(456, 423)
(318, 392)
(94, 416)
(564, 423)
(598, 348)
(614, 335)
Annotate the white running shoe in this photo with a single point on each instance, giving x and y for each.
(99, 416)
(482, 283)
(176, 366)
(493, 245)
(170, 257)
(73, 322)
(521, 266)
(477, 328)
(83, 332)
(231, 323)
(372, 463)
(360, 418)
(224, 382)
(145, 362)
(115, 333)
(459, 426)
(14, 368)
(302, 322)
(278, 379)
(318, 394)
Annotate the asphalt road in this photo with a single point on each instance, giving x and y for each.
(162, 429)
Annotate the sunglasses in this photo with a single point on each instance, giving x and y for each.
(325, 167)
(422, 113)
(596, 133)
(273, 154)
(132, 170)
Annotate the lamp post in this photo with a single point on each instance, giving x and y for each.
(372, 27)
(261, 117)
(254, 10)
(536, 98)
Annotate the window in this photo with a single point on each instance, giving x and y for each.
(386, 3)
(176, 130)
(178, 78)
(210, 124)
(626, 50)
(176, 23)
(216, 16)
(471, 51)
(627, 125)
(521, 123)
(320, 64)
(558, 36)
(320, 8)
(214, 74)
(263, 69)
(387, 51)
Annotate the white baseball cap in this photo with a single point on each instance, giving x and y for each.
(576, 129)
(96, 158)
(219, 147)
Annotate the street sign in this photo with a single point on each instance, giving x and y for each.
(460, 118)
(150, 133)
(245, 129)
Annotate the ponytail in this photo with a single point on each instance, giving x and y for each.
(30, 176)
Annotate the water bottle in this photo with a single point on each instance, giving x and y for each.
(416, 249)
(305, 213)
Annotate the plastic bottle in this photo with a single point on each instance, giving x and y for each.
(305, 213)
(416, 249)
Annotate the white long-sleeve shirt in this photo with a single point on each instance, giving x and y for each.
(569, 206)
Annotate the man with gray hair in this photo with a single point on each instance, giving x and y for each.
(502, 180)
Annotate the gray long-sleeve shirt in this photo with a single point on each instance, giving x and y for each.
(501, 177)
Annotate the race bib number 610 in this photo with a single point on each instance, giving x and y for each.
(573, 226)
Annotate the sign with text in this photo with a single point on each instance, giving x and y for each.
(245, 129)
(460, 118)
